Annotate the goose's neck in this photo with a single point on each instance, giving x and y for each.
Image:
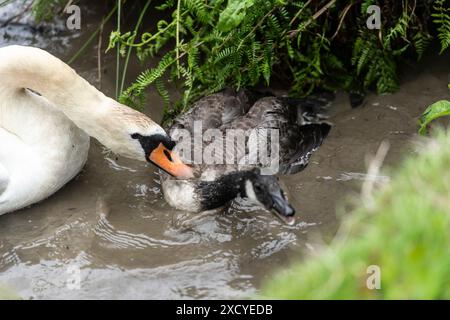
(35, 69)
(226, 188)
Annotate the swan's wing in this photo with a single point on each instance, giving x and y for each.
(4, 179)
(4, 174)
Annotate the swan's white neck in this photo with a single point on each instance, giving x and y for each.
(44, 137)
(99, 116)
(43, 140)
(27, 67)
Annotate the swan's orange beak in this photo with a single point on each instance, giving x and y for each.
(170, 162)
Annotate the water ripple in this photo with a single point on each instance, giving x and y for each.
(122, 240)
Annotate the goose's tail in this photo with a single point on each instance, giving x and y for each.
(313, 109)
(309, 138)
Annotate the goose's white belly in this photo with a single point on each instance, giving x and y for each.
(40, 150)
(180, 194)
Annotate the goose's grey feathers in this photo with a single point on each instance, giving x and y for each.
(301, 130)
(298, 121)
(308, 138)
(217, 109)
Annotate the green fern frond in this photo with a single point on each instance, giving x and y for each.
(162, 91)
(421, 42)
(399, 30)
(144, 80)
(166, 5)
(442, 20)
(241, 43)
(366, 4)
(198, 8)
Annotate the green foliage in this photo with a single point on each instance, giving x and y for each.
(44, 10)
(421, 41)
(233, 14)
(145, 79)
(405, 233)
(374, 65)
(206, 45)
(307, 45)
(7, 294)
(436, 110)
(442, 19)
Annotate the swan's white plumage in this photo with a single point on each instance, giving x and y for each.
(44, 138)
(41, 150)
(4, 174)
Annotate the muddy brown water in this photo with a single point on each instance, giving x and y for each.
(112, 225)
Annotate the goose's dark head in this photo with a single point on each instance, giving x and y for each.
(267, 192)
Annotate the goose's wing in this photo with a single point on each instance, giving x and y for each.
(210, 112)
(216, 110)
(308, 132)
(294, 119)
(207, 112)
(295, 156)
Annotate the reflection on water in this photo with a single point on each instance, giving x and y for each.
(348, 176)
(215, 276)
(111, 222)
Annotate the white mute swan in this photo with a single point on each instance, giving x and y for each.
(48, 112)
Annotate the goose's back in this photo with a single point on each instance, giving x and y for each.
(217, 110)
(298, 122)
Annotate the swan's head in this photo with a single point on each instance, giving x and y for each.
(132, 134)
(265, 190)
(157, 149)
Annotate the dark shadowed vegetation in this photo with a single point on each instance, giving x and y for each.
(305, 46)
(203, 46)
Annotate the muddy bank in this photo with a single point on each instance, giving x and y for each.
(112, 222)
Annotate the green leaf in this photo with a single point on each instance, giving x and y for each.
(233, 14)
(114, 37)
(436, 110)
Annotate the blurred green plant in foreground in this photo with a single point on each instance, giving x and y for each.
(405, 232)
(7, 294)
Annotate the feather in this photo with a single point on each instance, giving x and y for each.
(300, 123)
(4, 180)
